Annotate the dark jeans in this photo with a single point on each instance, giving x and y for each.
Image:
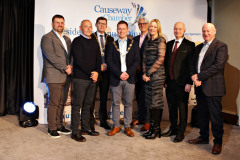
(177, 100)
(83, 98)
(57, 97)
(210, 108)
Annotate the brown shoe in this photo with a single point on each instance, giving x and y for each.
(114, 131)
(134, 123)
(128, 132)
(145, 127)
(217, 149)
(198, 141)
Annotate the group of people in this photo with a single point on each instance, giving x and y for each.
(139, 66)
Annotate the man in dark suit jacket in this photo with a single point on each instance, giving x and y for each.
(123, 60)
(139, 86)
(178, 57)
(56, 70)
(207, 72)
(103, 40)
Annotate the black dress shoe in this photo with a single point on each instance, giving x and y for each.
(90, 133)
(105, 126)
(178, 138)
(169, 133)
(78, 137)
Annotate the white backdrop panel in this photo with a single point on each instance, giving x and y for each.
(192, 12)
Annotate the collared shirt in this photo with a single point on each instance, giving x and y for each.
(142, 37)
(179, 43)
(85, 36)
(62, 40)
(202, 53)
(123, 53)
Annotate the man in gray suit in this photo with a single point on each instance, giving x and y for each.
(56, 74)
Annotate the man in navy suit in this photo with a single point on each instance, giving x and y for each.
(103, 40)
(123, 60)
(139, 88)
(207, 72)
(178, 57)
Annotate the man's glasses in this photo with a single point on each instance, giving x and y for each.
(142, 24)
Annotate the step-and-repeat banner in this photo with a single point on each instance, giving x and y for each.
(192, 12)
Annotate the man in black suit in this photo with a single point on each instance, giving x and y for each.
(207, 72)
(139, 86)
(178, 57)
(103, 40)
(123, 60)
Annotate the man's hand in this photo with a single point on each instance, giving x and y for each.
(194, 77)
(145, 78)
(124, 76)
(187, 88)
(198, 83)
(103, 67)
(94, 76)
(69, 70)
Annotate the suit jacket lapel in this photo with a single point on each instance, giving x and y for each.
(198, 52)
(209, 49)
(58, 40)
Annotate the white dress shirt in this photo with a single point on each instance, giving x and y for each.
(123, 53)
(202, 54)
(179, 43)
(62, 40)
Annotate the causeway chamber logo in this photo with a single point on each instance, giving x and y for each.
(131, 15)
(122, 14)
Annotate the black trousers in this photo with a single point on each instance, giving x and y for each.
(177, 100)
(58, 93)
(210, 108)
(103, 85)
(83, 99)
(140, 97)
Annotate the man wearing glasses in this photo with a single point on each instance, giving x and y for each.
(139, 89)
(103, 40)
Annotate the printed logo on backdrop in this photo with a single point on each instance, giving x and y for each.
(115, 14)
(122, 14)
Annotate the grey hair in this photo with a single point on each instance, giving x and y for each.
(144, 18)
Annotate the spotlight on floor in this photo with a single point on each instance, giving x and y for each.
(28, 116)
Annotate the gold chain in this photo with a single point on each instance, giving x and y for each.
(129, 47)
(101, 48)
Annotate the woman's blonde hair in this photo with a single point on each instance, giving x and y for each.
(159, 28)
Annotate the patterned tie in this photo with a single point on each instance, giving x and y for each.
(101, 41)
(174, 53)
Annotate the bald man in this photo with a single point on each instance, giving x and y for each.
(207, 72)
(178, 58)
(86, 67)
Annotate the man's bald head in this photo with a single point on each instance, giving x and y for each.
(208, 32)
(179, 30)
(86, 27)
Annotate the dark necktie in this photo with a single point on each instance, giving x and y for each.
(173, 57)
(101, 41)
